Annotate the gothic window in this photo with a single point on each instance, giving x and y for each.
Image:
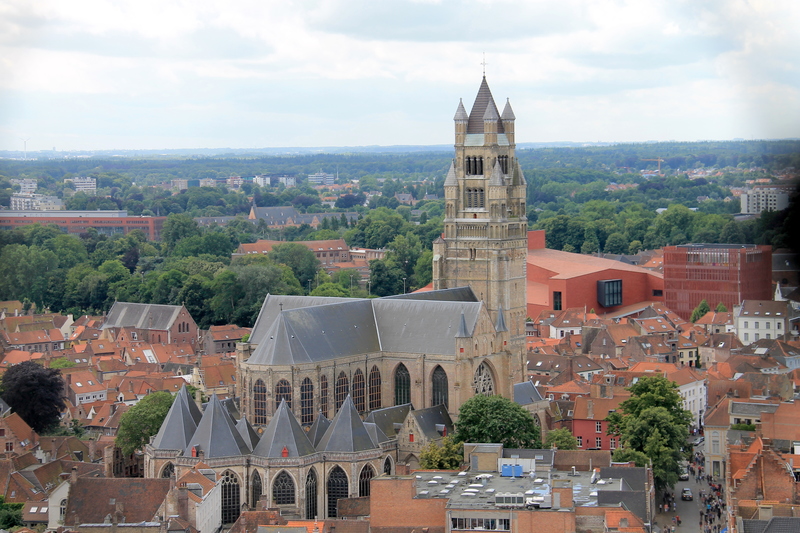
(283, 391)
(256, 490)
(230, 497)
(503, 159)
(374, 388)
(323, 395)
(440, 391)
(337, 488)
(387, 467)
(402, 385)
(62, 510)
(367, 473)
(342, 386)
(479, 200)
(483, 382)
(283, 489)
(169, 469)
(358, 391)
(311, 495)
(259, 403)
(306, 402)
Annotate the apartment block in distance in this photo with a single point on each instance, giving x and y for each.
(727, 273)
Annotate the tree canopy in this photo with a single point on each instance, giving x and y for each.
(35, 393)
(446, 455)
(653, 422)
(561, 438)
(499, 420)
(700, 311)
(142, 421)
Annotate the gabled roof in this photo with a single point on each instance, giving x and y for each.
(180, 423)
(387, 417)
(283, 433)
(141, 316)
(429, 418)
(247, 432)
(526, 393)
(346, 432)
(216, 435)
(375, 433)
(92, 499)
(318, 429)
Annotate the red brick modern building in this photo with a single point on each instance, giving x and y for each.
(727, 273)
(559, 280)
(77, 222)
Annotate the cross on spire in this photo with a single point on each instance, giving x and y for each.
(484, 64)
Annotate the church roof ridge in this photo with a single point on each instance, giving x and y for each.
(247, 432)
(283, 433)
(318, 428)
(216, 435)
(179, 425)
(346, 432)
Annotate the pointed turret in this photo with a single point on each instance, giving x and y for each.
(508, 113)
(450, 180)
(179, 424)
(247, 432)
(318, 429)
(462, 327)
(283, 437)
(518, 178)
(500, 323)
(216, 435)
(483, 100)
(461, 113)
(347, 432)
(497, 175)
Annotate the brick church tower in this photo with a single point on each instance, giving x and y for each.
(485, 227)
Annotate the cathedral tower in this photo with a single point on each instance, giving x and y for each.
(485, 227)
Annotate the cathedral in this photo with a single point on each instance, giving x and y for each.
(334, 391)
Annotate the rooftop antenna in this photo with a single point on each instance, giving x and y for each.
(484, 64)
(25, 147)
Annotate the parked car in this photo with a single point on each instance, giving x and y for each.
(686, 494)
(699, 440)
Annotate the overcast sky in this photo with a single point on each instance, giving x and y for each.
(102, 74)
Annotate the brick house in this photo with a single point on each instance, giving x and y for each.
(152, 323)
(16, 436)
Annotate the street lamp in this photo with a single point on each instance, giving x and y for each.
(369, 287)
(404, 285)
(351, 284)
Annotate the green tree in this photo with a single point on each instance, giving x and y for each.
(700, 311)
(721, 308)
(561, 438)
(446, 455)
(299, 258)
(142, 421)
(653, 421)
(616, 244)
(177, 227)
(498, 420)
(330, 289)
(35, 393)
(10, 514)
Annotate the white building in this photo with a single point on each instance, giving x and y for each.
(84, 184)
(26, 186)
(321, 178)
(761, 319)
(765, 198)
(208, 182)
(289, 181)
(262, 181)
(35, 202)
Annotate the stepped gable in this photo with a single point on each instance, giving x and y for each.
(180, 423)
(216, 434)
(387, 417)
(248, 433)
(284, 433)
(483, 101)
(347, 432)
(318, 429)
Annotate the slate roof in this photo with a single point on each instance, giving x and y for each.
(247, 432)
(346, 432)
(427, 419)
(180, 424)
(387, 417)
(141, 316)
(318, 428)
(776, 524)
(216, 435)
(92, 499)
(526, 393)
(483, 100)
(375, 433)
(282, 432)
(353, 327)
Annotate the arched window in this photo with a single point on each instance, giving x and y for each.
(323, 395)
(374, 389)
(358, 391)
(367, 473)
(483, 382)
(342, 387)
(283, 489)
(440, 391)
(311, 495)
(256, 490)
(387, 466)
(169, 469)
(259, 403)
(402, 385)
(283, 391)
(62, 510)
(337, 488)
(306, 402)
(230, 497)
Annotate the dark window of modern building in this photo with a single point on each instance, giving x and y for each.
(557, 300)
(440, 392)
(374, 388)
(307, 402)
(609, 292)
(402, 385)
(658, 292)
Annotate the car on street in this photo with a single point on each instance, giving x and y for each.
(686, 494)
(698, 441)
(684, 476)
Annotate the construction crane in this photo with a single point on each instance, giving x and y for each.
(659, 163)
